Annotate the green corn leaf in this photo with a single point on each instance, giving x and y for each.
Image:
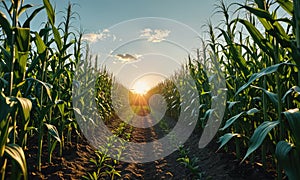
(23, 39)
(293, 117)
(52, 148)
(61, 106)
(267, 25)
(263, 72)
(57, 37)
(287, 5)
(51, 17)
(4, 136)
(53, 131)
(207, 114)
(33, 65)
(26, 106)
(226, 138)
(6, 106)
(295, 89)
(258, 37)
(260, 3)
(288, 92)
(283, 148)
(7, 56)
(289, 159)
(259, 136)
(236, 55)
(4, 23)
(45, 85)
(258, 12)
(30, 18)
(272, 96)
(3, 83)
(50, 11)
(41, 47)
(16, 153)
(22, 58)
(230, 121)
(24, 8)
(231, 104)
(252, 111)
(45, 31)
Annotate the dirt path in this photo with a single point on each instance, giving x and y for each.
(212, 165)
(165, 168)
(75, 161)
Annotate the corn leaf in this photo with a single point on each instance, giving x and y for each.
(24, 8)
(259, 136)
(287, 5)
(6, 105)
(252, 111)
(41, 47)
(226, 138)
(50, 11)
(53, 131)
(260, 3)
(61, 106)
(45, 85)
(263, 72)
(289, 159)
(258, 37)
(295, 89)
(57, 37)
(4, 23)
(272, 96)
(207, 114)
(23, 39)
(15, 152)
(293, 117)
(231, 104)
(230, 121)
(260, 13)
(30, 18)
(26, 106)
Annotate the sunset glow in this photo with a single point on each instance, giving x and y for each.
(140, 87)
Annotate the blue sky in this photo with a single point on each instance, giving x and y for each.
(100, 14)
(154, 61)
(105, 13)
(141, 49)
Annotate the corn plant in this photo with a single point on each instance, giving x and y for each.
(36, 79)
(257, 56)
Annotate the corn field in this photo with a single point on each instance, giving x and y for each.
(257, 45)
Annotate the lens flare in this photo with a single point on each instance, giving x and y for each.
(140, 87)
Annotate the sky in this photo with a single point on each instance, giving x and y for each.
(102, 14)
(139, 40)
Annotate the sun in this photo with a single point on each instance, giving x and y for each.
(140, 87)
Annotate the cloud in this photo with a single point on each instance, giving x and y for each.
(125, 58)
(156, 35)
(94, 37)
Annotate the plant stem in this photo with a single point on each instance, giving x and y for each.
(40, 145)
(2, 170)
(263, 152)
(13, 59)
(279, 107)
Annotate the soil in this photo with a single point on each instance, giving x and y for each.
(213, 165)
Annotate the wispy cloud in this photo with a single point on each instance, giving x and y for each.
(94, 37)
(126, 58)
(155, 35)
